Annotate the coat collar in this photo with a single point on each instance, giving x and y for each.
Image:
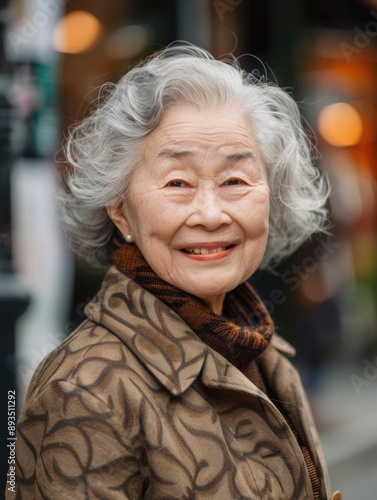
(160, 339)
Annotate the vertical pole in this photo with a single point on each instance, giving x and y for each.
(194, 22)
(286, 22)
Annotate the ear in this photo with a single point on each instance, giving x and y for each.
(116, 214)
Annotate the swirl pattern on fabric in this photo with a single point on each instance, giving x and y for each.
(133, 405)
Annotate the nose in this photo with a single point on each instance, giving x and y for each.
(207, 210)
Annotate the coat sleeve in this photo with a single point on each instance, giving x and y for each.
(71, 444)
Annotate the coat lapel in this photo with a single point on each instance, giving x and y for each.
(162, 342)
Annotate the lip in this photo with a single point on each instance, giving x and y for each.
(209, 245)
(229, 247)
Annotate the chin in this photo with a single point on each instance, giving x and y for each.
(211, 293)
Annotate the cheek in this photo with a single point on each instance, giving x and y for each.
(255, 216)
(154, 222)
(141, 212)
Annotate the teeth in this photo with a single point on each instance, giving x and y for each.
(205, 251)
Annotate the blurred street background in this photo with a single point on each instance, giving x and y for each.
(54, 57)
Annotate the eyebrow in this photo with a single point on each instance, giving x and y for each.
(169, 153)
(245, 155)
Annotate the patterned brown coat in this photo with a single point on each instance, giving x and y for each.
(133, 405)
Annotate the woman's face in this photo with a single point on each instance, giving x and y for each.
(198, 202)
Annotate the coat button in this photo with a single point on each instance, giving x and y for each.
(336, 496)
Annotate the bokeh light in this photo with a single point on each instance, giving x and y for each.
(340, 124)
(77, 32)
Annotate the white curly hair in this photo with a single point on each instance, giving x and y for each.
(105, 147)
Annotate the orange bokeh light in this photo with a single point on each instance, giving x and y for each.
(76, 32)
(340, 124)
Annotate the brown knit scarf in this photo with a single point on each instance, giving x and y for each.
(240, 339)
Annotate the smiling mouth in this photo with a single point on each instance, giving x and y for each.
(205, 251)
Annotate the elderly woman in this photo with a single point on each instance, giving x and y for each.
(188, 177)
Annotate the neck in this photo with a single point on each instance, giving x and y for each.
(215, 303)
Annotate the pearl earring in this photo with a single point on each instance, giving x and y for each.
(129, 238)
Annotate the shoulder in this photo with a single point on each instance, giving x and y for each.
(93, 360)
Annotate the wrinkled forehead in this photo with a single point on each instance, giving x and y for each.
(186, 130)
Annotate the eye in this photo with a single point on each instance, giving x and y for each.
(177, 184)
(233, 182)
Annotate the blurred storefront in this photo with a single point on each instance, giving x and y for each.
(59, 54)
